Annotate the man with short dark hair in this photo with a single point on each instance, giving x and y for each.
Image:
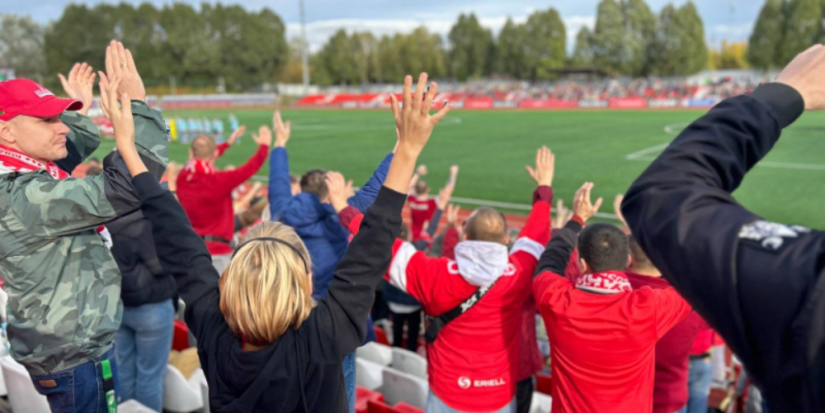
(206, 193)
(602, 332)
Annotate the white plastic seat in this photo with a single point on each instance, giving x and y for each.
(408, 362)
(402, 387)
(23, 397)
(133, 406)
(541, 403)
(368, 375)
(205, 395)
(376, 353)
(181, 395)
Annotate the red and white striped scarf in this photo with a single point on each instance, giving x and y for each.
(15, 161)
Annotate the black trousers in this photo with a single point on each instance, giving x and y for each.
(413, 321)
(524, 395)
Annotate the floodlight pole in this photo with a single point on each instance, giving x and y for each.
(304, 56)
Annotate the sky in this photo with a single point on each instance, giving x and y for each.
(729, 20)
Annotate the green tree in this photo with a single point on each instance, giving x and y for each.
(680, 47)
(420, 51)
(766, 40)
(583, 51)
(389, 60)
(21, 46)
(640, 25)
(803, 25)
(544, 44)
(338, 59)
(79, 35)
(510, 59)
(470, 48)
(608, 35)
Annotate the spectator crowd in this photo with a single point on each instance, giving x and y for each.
(280, 286)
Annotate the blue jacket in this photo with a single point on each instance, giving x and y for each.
(317, 223)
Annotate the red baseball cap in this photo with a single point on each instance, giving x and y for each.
(27, 97)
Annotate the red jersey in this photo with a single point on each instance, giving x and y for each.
(420, 212)
(473, 364)
(206, 196)
(670, 387)
(602, 346)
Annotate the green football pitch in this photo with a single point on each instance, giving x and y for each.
(609, 148)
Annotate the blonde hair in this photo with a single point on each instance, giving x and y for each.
(267, 288)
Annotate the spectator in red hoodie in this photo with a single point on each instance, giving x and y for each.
(473, 361)
(206, 193)
(670, 387)
(602, 332)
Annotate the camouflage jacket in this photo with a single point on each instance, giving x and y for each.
(63, 284)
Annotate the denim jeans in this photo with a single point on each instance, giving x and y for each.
(79, 389)
(349, 380)
(435, 405)
(143, 344)
(700, 375)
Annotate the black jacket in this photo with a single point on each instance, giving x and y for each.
(301, 371)
(757, 283)
(144, 281)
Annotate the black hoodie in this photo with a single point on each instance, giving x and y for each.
(301, 371)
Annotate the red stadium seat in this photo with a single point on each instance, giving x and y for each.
(543, 383)
(406, 408)
(380, 407)
(363, 397)
(180, 340)
(381, 336)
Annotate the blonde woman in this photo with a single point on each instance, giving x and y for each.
(263, 345)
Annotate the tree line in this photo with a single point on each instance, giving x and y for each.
(244, 49)
(783, 29)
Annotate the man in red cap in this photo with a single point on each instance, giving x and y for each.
(62, 282)
(602, 333)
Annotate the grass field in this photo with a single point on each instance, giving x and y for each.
(610, 148)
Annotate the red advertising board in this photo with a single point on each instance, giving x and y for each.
(475, 103)
(627, 103)
(548, 104)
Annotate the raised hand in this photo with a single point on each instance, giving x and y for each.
(804, 73)
(339, 190)
(422, 169)
(237, 133)
(80, 85)
(119, 62)
(444, 196)
(412, 118)
(264, 136)
(545, 167)
(617, 209)
(582, 205)
(123, 124)
(454, 171)
(452, 214)
(282, 130)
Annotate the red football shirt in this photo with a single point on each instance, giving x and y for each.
(420, 211)
(670, 388)
(602, 347)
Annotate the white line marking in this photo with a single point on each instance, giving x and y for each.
(643, 152)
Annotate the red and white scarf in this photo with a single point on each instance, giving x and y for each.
(607, 282)
(12, 161)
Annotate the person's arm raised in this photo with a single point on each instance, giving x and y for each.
(368, 257)
(555, 257)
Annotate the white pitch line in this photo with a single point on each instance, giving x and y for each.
(643, 152)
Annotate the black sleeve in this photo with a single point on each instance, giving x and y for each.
(70, 162)
(557, 254)
(181, 251)
(352, 290)
(434, 220)
(747, 277)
